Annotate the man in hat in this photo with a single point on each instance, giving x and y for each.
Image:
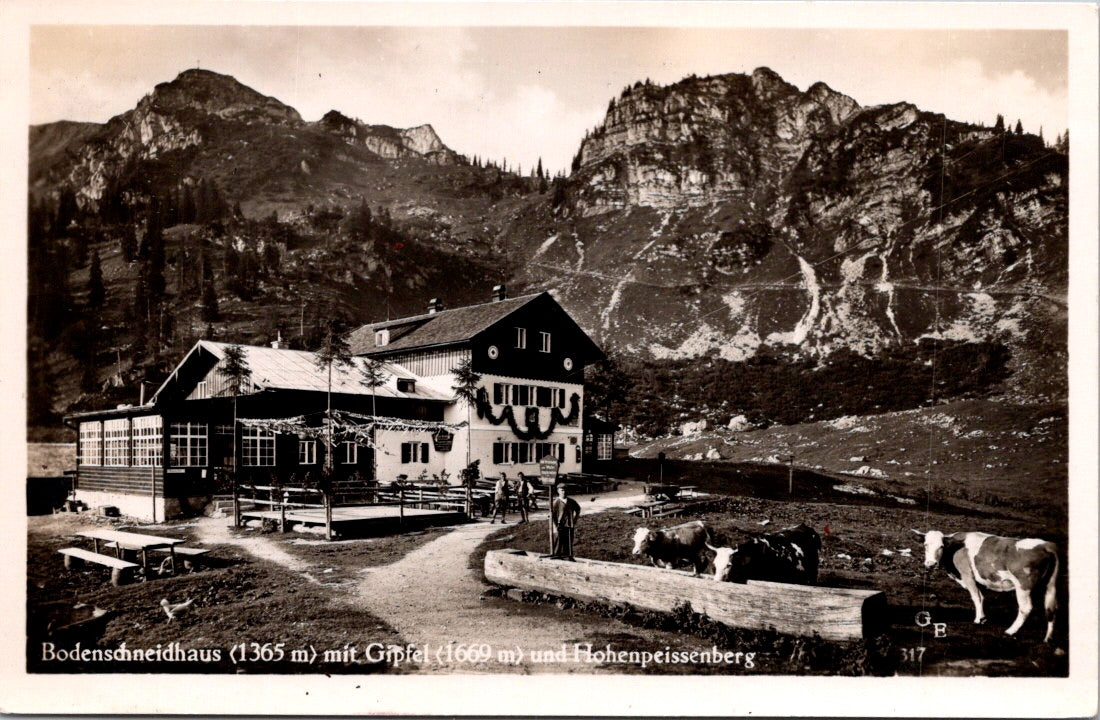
(500, 499)
(564, 512)
(523, 491)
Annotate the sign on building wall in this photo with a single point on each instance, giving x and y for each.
(443, 440)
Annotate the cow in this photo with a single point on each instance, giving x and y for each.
(667, 547)
(1026, 566)
(789, 555)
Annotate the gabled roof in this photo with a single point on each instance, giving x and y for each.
(446, 327)
(282, 369)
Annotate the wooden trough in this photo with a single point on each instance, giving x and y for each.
(832, 613)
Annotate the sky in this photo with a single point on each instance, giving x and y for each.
(524, 93)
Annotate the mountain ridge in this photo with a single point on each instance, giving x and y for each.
(724, 217)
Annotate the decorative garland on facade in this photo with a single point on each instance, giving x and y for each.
(531, 431)
(346, 429)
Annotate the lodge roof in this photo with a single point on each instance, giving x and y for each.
(283, 369)
(445, 327)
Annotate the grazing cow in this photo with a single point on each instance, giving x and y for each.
(669, 546)
(789, 555)
(998, 563)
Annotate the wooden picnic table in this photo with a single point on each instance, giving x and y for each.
(140, 542)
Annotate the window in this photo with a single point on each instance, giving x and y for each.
(202, 392)
(502, 393)
(406, 385)
(521, 394)
(545, 337)
(307, 452)
(187, 444)
(557, 397)
(507, 453)
(414, 452)
(223, 429)
(90, 435)
(604, 446)
(148, 443)
(350, 453)
(554, 450)
(381, 337)
(521, 338)
(542, 396)
(257, 447)
(116, 442)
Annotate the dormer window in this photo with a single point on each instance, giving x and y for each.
(406, 385)
(381, 337)
(521, 338)
(545, 347)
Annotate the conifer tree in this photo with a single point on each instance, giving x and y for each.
(1019, 128)
(96, 292)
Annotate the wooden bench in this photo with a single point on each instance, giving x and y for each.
(121, 570)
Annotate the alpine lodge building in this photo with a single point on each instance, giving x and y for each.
(163, 459)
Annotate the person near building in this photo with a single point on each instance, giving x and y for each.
(523, 491)
(500, 499)
(564, 512)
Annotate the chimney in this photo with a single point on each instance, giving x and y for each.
(499, 293)
(277, 343)
(434, 306)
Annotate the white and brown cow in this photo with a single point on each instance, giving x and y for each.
(674, 545)
(1003, 564)
(789, 555)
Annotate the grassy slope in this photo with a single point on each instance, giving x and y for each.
(977, 453)
(238, 599)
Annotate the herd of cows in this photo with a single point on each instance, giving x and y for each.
(791, 555)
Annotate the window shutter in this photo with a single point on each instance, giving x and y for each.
(405, 452)
(543, 396)
(561, 452)
(423, 452)
(498, 453)
(497, 394)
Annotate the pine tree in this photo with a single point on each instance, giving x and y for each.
(1019, 128)
(127, 243)
(334, 352)
(237, 373)
(465, 387)
(96, 291)
(209, 301)
(538, 170)
(999, 126)
(187, 205)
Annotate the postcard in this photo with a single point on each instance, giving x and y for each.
(551, 359)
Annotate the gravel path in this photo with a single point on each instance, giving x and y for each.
(433, 600)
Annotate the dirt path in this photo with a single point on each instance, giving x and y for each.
(433, 600)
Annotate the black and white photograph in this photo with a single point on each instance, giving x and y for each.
(592, 358)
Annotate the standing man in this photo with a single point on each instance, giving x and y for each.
(564, 512)
(500, 499)
(522, 492)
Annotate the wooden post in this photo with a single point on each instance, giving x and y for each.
(469, 483)
(401, 504)
(328, 515)
(236, 502)
(282, 515)
(153, 491)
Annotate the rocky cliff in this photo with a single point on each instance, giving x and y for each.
(724, 215)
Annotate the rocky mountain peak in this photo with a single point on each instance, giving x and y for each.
(211, 93)
(701, 140)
